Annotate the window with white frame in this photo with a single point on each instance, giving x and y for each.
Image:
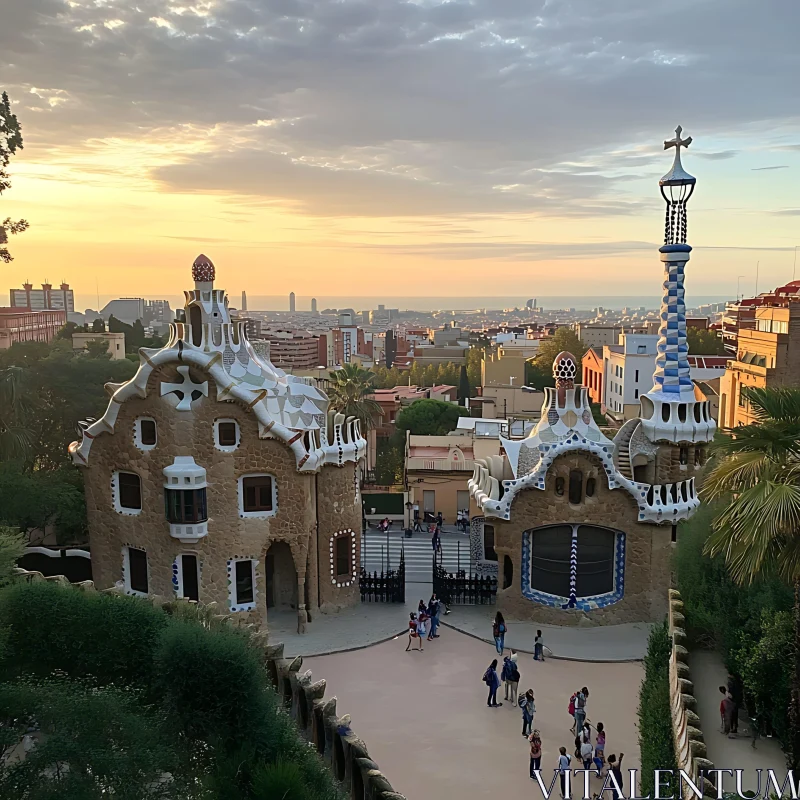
(145, 434)
(134, 571)
(226, 435)
(343, 558)
(257, 495)
(127, 492)
(242, 584)
(186, 576)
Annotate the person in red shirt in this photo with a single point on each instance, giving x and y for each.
(412, 632)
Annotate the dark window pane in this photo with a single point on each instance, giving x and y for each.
(191, 588)
(130, 490)
(244, 582)
(508, 572)
(226, 432)
(550, 554)
(575, 486)
(257, 493)
(147, 429)
(489, 553)
(343, 548)
(595, 561)
(185, 505)
(137, 569)
(590, 487)
(684, 455)
(559, 486)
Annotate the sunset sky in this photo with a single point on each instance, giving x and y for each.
(382, 147)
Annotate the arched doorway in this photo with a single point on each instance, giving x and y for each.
(281, 577)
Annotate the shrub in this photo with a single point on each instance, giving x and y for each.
(655, 721)
(282, 779)
(94, 743)
(212, 684)
(109, 638)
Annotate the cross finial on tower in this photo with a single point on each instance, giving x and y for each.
(677, 142)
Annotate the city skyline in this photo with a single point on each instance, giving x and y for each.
(429, 149)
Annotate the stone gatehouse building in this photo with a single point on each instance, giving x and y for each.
(215, 476)
(578, 526)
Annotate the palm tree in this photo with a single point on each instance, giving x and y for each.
(758, 530)
(349, 392)
(16, 440)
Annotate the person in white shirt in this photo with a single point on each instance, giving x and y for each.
(563, 770)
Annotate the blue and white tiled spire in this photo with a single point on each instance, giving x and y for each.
(674, 410)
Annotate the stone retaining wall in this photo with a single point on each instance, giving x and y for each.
(690, 749)
(303, 698)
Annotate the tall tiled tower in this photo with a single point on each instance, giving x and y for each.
(674, 411)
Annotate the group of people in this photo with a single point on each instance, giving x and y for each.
(729, 708)
(425, 622)
(590, 741)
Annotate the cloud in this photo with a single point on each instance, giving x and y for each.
(763, 169)
(388, 107)
(786, 212)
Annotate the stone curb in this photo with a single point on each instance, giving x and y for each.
(553, 655)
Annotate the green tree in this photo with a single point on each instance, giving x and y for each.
(97, 348)
(67, 331)
(464, 391)
(349, 393)
(94, 743)
(475, 356)
(98, 326)
(704, 342)
(16, 438)
(563, 339)
(10, 142)
(12, 546)
(430, 417)
(757, 480)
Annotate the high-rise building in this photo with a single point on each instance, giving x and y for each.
(244, 301)
(292, 307)
(45, 299)
(313, 305)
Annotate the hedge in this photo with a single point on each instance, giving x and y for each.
(207, 680)
(656, 743)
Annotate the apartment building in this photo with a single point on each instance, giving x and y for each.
(45, 299)
(24, 325)
(767, 356)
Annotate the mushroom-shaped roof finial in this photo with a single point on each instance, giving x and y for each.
(203, 269)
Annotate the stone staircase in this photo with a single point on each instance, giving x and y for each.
(622, 441)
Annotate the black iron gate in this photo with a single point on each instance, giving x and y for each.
(388, 586)
(462, 588)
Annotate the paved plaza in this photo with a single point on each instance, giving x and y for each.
(425, 720)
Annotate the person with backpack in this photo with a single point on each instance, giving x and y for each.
(512, 682)
(580, 709)
(536, 752)
(528, 706)
(499, 632)
(563, 770)
(586, 752)
(493, 682)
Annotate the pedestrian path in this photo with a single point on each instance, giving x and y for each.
(380, 552)
(603, 643)
(708, 674)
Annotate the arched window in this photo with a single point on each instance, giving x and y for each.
(575, 486)
(508, 572)
(590, 487)
(196, 321)
(682, 412)
(684, 456)
(665, 412)
(560, 487)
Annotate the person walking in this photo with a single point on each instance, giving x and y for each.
(563, 770)
(587, 752)
(728, 711)
(505, 674)
(422, 620)
(513, 678)
(439, 521)
(600, 746)
(433, 613)
(580, 709)
(535, 740)
(538, 647)
(413, 634)
(528, 706)
(499, 632)
(615, 768)
(417, 524)
(493, 682)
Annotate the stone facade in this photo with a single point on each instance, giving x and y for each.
(647, 548)
(184, 391)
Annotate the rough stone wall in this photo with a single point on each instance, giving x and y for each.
(668, 464)
(337, 511)
(690, 749)
(229, 536)
(647, 547)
